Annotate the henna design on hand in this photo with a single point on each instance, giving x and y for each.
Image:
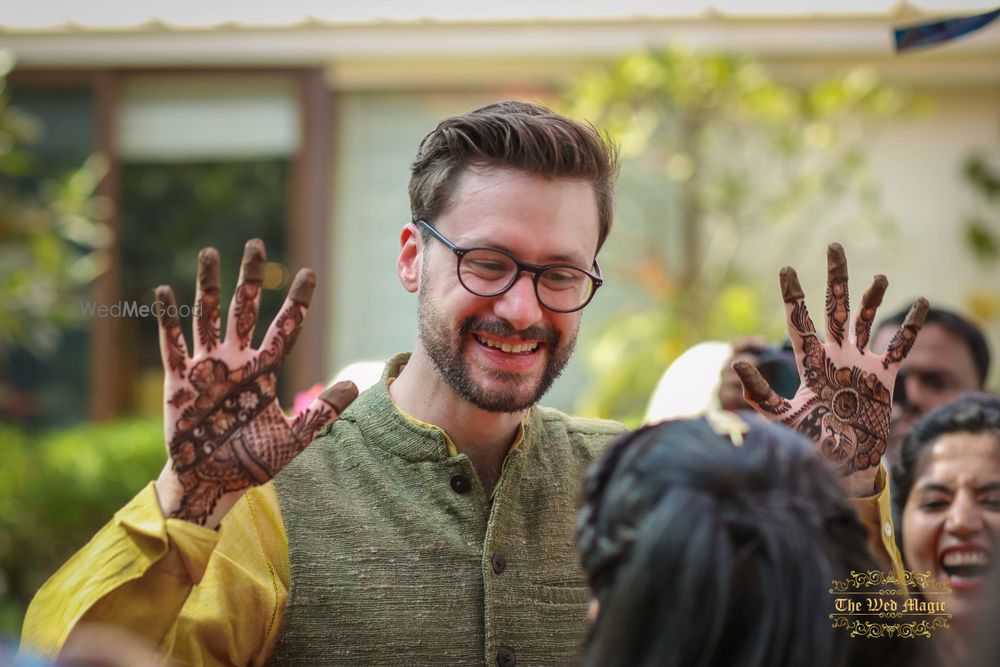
(246, 300)
(844, 400)
(246, 313)
(838, 307)
(180, 397)
(207, 301)
(225, 430)
(870, 302)
(845, 410)
(904, 339)
(759, 391)
(235, 436)
(848, 413)
(172, 346)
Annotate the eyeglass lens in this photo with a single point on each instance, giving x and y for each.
(488, 273)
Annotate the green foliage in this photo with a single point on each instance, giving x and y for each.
(50, 245)
(982, 228)
(981, 232)
(720, 163)
(56, 490)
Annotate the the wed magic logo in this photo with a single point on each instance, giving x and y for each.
(876, 604)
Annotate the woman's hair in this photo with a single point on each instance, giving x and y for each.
(705, 553)
(972, 413)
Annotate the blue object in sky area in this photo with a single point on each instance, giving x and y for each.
(944, 30)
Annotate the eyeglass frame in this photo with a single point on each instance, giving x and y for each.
(535, 269)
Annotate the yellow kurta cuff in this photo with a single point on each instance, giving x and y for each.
(123, 551)
(140, 573)
(875, 514)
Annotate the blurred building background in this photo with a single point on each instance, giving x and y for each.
(296, 122)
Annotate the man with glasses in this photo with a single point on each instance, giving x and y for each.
(433, 522)
(951, 359)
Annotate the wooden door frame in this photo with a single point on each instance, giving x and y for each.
(308, 203)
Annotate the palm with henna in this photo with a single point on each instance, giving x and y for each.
(844, 399)
(224, 429)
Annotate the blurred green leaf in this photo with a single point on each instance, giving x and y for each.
(981, 240)
(51, 245)
(981, 176)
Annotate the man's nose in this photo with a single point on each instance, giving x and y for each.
(919, 400)
(519, 305)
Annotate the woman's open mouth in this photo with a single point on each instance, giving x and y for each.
(966, 568)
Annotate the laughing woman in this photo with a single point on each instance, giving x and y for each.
(946, 488)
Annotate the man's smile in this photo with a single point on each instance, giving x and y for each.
(522, 347)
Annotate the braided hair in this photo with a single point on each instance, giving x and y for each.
(703, 553)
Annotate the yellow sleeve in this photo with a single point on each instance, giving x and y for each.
(875, 514)
(203, 597)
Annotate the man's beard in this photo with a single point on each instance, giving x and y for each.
(446, 349)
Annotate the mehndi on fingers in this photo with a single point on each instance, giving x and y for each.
(228, 431)
(206, 321)
(838, 306)
(757, 391)
(870, 302)
(333, 401)
(846, 407)
(902, 342)
(246, 300)
(284, 330)
(173, 348)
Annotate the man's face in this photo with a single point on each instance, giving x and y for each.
(938, 369)
(503, 353)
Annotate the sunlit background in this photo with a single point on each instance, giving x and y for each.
(754, 133)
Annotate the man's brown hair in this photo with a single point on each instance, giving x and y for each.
(514, 134)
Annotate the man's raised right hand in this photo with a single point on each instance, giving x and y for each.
(224, 429)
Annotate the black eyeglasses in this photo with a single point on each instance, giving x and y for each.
(483, 271)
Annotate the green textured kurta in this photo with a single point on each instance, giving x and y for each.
(398, 557)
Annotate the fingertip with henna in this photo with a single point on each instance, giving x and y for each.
(755, 387)
(872, 298)
(340, 395)
(836, 261)
(208, 268)
(917, 314)
(791, 290)
(302, 287)
(167, 314)
(254, 256)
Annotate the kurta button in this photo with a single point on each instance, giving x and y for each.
(499, 562)
(460, 484)
(505, 657)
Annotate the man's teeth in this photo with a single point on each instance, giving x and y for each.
(512, 349)
(960, 558)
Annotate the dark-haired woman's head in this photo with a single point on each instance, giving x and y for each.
(946, 489)
(700, 552)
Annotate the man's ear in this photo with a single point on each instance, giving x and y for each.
(408, 265)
